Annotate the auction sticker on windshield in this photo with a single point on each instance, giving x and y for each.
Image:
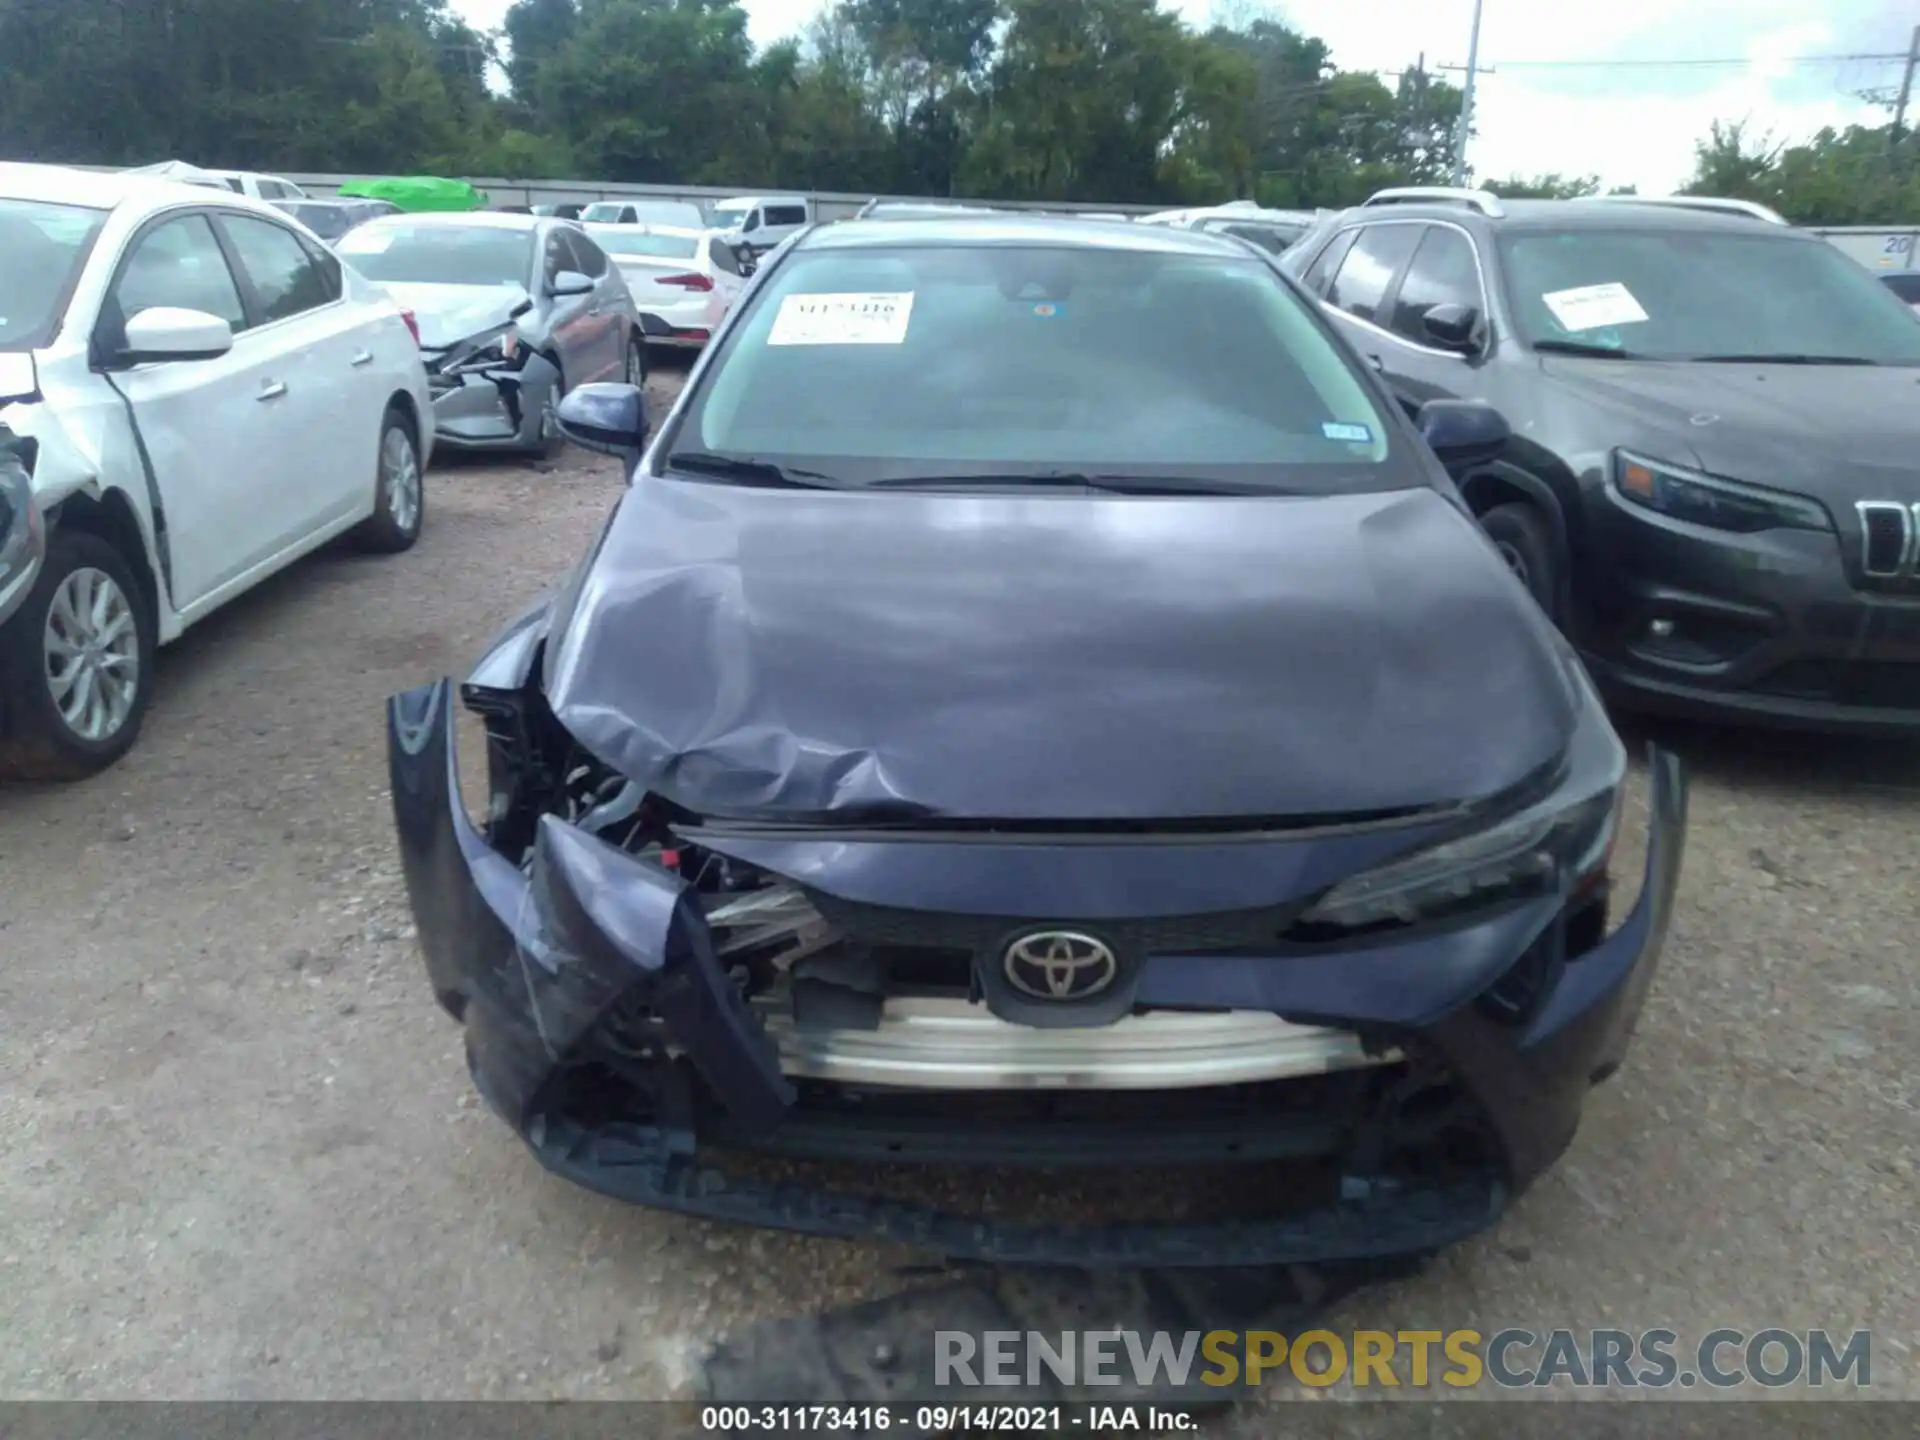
(845, 319)
(1589, 307)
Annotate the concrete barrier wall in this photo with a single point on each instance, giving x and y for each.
(828, 204)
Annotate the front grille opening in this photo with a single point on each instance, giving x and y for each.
(926, 969)
(1886, 540)
(1587, 926)
(1432, 1134)
(1696, 640)
(1513, 998)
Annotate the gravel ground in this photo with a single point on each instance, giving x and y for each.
(239, 1156)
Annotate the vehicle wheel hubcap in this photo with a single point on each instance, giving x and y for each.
(92, 648)
(401, 469)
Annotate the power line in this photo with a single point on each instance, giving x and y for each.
(1744, 60)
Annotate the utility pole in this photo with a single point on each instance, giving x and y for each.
(1466, 97)
(1906, 89)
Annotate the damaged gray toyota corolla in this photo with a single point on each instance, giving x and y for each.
(1038, 703)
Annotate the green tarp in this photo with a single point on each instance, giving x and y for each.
(418, 192)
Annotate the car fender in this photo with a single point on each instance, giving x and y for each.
(1492, 483)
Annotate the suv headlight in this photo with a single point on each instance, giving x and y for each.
(1561, 843)
(1708, 500)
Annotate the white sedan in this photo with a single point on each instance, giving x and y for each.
(683, 280)
(204, 394)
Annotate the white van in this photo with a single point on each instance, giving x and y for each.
(761, 222)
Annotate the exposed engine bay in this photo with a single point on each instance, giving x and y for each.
(776, 946)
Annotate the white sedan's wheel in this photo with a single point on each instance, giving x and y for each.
(399, 497)
(92, 654)
(76, 662)
(400, 475)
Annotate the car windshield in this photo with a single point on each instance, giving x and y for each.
(645, 245)
(1693, 294)
(398, 253)
(729, 217)
(889, 365)
(42, 248)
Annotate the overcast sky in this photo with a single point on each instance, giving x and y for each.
(1631, 123)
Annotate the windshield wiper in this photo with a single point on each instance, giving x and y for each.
(1783, 359)
(1583, 347)
(1074, 480)
(744, 471)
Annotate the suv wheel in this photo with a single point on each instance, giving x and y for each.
(76, 663)
(1519, 532)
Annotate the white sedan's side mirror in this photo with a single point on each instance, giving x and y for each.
(166, 332)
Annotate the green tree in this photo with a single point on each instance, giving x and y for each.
(1550, 186)
(654, 90)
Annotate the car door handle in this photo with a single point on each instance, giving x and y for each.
(272, 390)
(1377, 363)
(362, 357)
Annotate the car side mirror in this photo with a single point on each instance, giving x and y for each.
(609, 418)
(19, 378)
(1463, 433)
(1453, 327)
(166, 332)
(569, 282)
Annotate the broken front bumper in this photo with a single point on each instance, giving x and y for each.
(534, 962)
(488, 406)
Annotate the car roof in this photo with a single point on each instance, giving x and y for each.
(1573, 215)
(603, 227)
(95, 189)
(1016, 229)
(489, 219)
(1249, 213)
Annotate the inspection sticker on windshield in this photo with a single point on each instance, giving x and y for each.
(851, 319)
(1589, 307)
(1341, 430)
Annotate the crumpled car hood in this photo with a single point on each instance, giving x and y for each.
(448, 314)
(814, 656)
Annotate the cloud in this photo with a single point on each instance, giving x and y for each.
(1632, 122)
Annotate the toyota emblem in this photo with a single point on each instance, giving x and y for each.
(1060, 965)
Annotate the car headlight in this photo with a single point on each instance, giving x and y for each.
(1559, 844)
(1709, 500)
